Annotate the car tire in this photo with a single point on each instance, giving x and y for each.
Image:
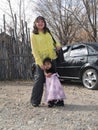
(90, 79)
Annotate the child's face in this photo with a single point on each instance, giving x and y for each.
(47, 65)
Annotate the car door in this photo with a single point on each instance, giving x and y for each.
(62, 66)
(73, 60)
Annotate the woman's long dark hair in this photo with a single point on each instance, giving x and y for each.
(35, 29)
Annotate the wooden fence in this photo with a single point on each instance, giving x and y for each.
(15, 56)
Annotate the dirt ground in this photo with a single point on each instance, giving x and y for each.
(16, 113)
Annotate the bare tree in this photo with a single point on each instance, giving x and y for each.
(70, 20)
(12, 15)
(87, 19)
(91, 12)
(16, 14)
(60, 16)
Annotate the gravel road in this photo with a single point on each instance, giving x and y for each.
(16, 113)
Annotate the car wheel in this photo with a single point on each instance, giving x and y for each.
(90, 79)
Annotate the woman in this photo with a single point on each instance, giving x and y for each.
(42, 47)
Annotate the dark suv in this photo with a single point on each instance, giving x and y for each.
(80, 62)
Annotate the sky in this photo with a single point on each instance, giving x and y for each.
(4, 9)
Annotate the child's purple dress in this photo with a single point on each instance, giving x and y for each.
(54, 89)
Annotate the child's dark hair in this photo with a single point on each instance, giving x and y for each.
(35, 29)
(47, 60)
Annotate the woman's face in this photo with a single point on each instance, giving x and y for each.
(40, 24)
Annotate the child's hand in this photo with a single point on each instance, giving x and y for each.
(48, 75)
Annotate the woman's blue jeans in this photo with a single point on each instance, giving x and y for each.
(37, 91)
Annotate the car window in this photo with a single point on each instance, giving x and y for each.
(91, 50)
(65, 51)
(78, 50)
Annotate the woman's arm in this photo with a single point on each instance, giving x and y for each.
(35, 51)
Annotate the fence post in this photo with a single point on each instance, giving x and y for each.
(4, 23)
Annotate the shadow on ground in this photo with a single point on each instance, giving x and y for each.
(74, 107)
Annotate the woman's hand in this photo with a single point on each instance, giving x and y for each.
(42, 67)
(58, 48)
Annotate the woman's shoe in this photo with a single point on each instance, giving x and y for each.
(35, 105)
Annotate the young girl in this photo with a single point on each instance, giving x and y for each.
(54, 89)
